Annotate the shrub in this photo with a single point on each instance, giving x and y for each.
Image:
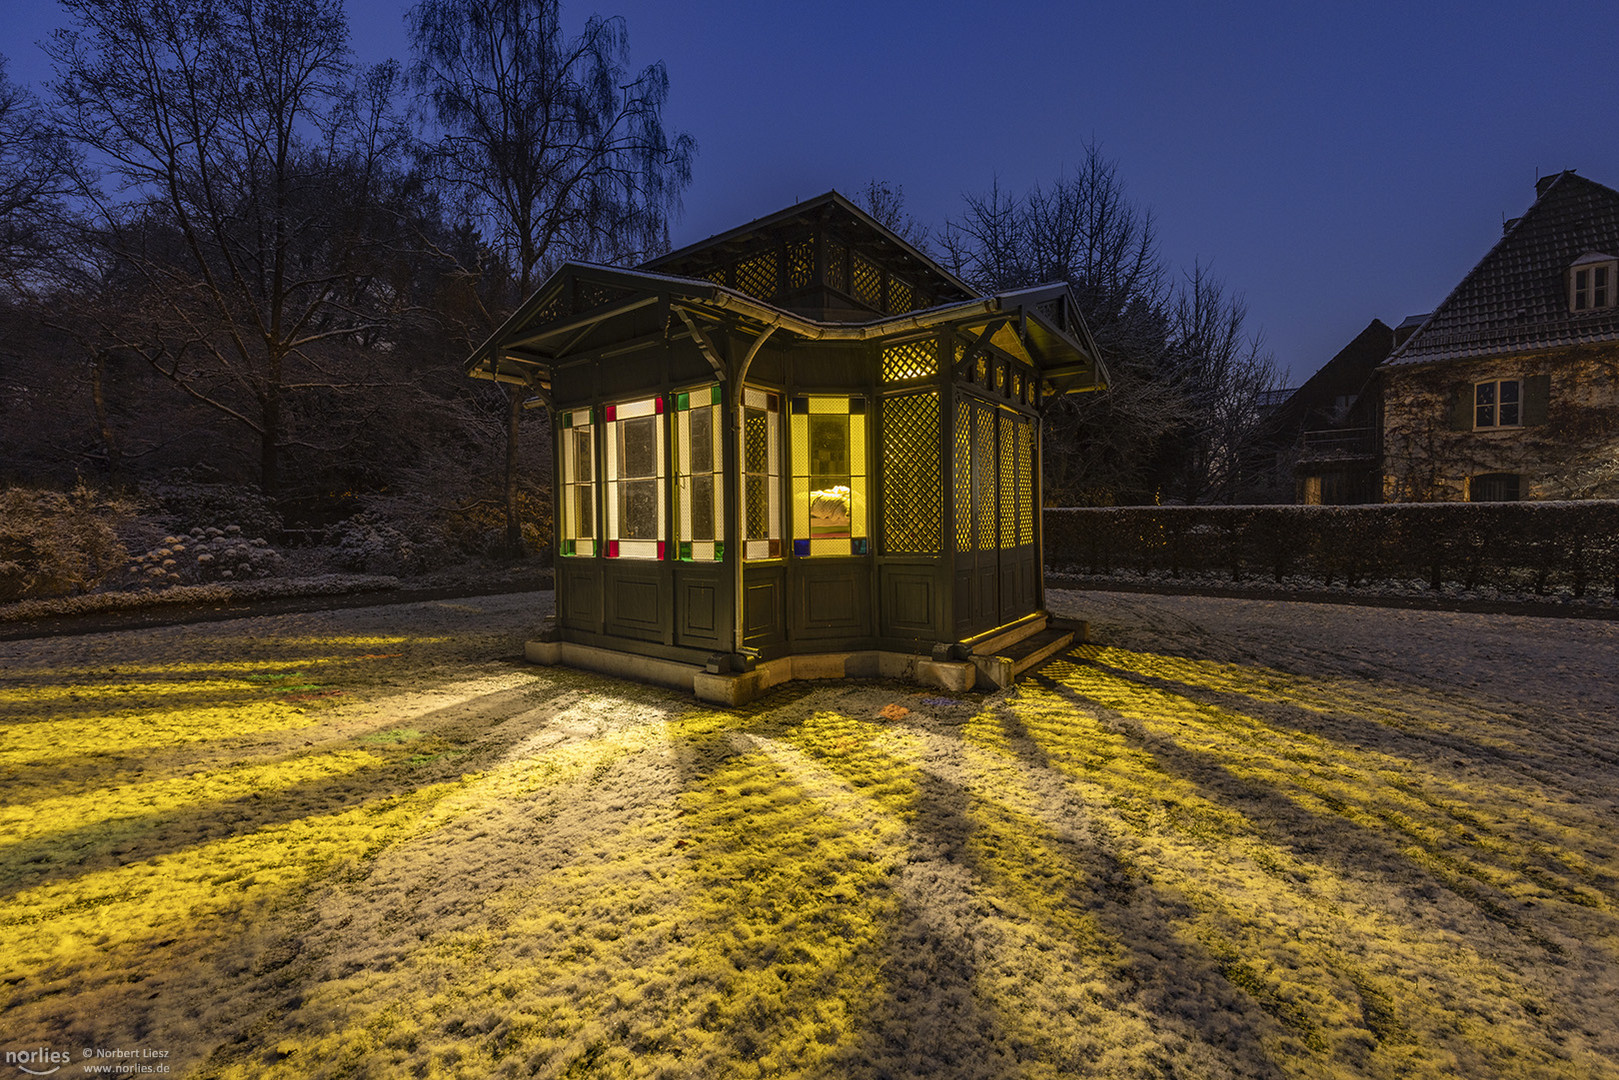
(188, 499)
(54, 543)
(205, 555)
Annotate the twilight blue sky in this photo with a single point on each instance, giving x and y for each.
(1335, 161)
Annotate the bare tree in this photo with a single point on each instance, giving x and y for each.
(1186, 379)
(555, 152)
(246, 160)
(1223, 373)
(886, 203)
(36, 170)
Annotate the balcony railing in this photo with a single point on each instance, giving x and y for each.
(1339, 443)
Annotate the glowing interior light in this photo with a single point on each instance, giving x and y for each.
(700, 482)
(635, 474)
(577, 434)
(829, 475)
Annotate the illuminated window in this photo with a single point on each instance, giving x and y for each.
(829, 475)
(635, 472)
(578, 437)
(1591, 284)
(700, 485)
(761, 474)
(1497, 404)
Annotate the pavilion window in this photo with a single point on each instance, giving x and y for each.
(700, 484)
(635, 477)
(578, 437)
(829, 475)
(761, 474)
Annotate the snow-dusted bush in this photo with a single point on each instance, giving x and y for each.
(204, 555)
(54, 543)
(190, 499)
(222, 592)
(371, 543)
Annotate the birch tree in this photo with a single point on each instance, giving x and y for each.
(552, 148)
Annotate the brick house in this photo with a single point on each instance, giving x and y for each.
(1510, 388)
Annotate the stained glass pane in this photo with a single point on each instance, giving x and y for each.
(828, 473)
(578, 526)
(634, 477)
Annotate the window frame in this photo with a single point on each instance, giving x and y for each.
(768, 403)
(689, 404)
(856, 539)
(1585, 295)
(614, 415)
(576, 428)
(1496, 405)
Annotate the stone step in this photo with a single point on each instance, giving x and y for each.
(1004, 668)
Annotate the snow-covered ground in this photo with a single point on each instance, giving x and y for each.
(1230, 838)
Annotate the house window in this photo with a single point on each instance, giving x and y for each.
(829, 475)
(1591, 286)
(1495, 487)
(578, 436)
(635, 472)
(700, 487)
(1498, 404)
(761, 474)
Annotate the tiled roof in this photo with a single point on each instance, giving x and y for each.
(1516, 298)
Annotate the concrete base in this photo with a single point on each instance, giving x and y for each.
(738, 688)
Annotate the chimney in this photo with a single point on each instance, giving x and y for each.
(1409, 327)
(1546, 181)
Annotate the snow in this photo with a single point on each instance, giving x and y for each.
(1229, 838)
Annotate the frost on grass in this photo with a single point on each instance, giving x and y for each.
(1233, 840)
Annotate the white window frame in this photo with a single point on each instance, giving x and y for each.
(1495, 405)
(1593, 286)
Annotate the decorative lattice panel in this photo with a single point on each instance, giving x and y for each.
(913, 487)
(963, 474)
(1026, 463)
(899, 296)
(912, 360)
(757, 276)
(593, 295)
(837, 266)
(1007, 460)
(553, 309)
(800, 264)
(984, 497)
(868, 281)
(757, 464)
(719, 276)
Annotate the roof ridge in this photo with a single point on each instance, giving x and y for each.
(1528, 240)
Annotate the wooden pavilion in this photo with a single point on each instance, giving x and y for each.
(797, 449)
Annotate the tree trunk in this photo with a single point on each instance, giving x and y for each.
(514, 521)
(109, 438)
(269, 444)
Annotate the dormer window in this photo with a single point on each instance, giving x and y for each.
(1592, 282)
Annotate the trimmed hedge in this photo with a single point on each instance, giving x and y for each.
(1521, 546)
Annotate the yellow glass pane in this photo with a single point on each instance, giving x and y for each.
(801, 502)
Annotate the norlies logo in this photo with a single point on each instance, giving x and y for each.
(40, 1062)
